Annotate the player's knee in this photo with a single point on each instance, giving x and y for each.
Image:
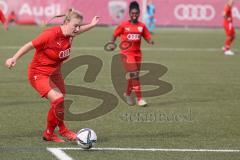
(54, 94)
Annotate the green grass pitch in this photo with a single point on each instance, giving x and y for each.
(205, 95)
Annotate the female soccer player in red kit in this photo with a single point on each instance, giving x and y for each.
(131, 31)
(52, 47)
(228, 26)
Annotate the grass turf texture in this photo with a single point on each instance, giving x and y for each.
(206, 90)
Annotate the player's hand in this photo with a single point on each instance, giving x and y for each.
(10, 62)
(151, 42)
(95, 20)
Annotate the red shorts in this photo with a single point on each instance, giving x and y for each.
(229, 29)
(44, 83)
(131, 63)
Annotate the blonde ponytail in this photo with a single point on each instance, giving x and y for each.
(71, 13)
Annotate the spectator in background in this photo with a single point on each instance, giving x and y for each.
(149, 16)
(12, 18)
(229, 28)
(3, 20)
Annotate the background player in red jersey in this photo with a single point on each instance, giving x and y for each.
(3, 20)
(229, 28)
(12, 17)
(132, 31)
(52, 48)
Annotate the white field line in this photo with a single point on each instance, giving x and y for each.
(144, 49)
(156, 149)
(61, 155)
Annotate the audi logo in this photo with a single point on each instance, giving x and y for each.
(65, 53)
(133, 36)
(196, 12)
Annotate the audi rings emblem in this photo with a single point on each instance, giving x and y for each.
(196, 12)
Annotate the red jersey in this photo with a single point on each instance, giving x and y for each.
(133, 33)
(228, 14)
(52, 48)
(12, 17)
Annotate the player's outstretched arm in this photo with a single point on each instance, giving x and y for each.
(11, 62)
(89, 26)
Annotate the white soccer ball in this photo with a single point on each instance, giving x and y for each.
(86, 138)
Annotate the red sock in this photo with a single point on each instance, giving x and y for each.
(137, 88)
(228, 42)
(58, 106)
(51, 121)
(129, 87)
(61, 125)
